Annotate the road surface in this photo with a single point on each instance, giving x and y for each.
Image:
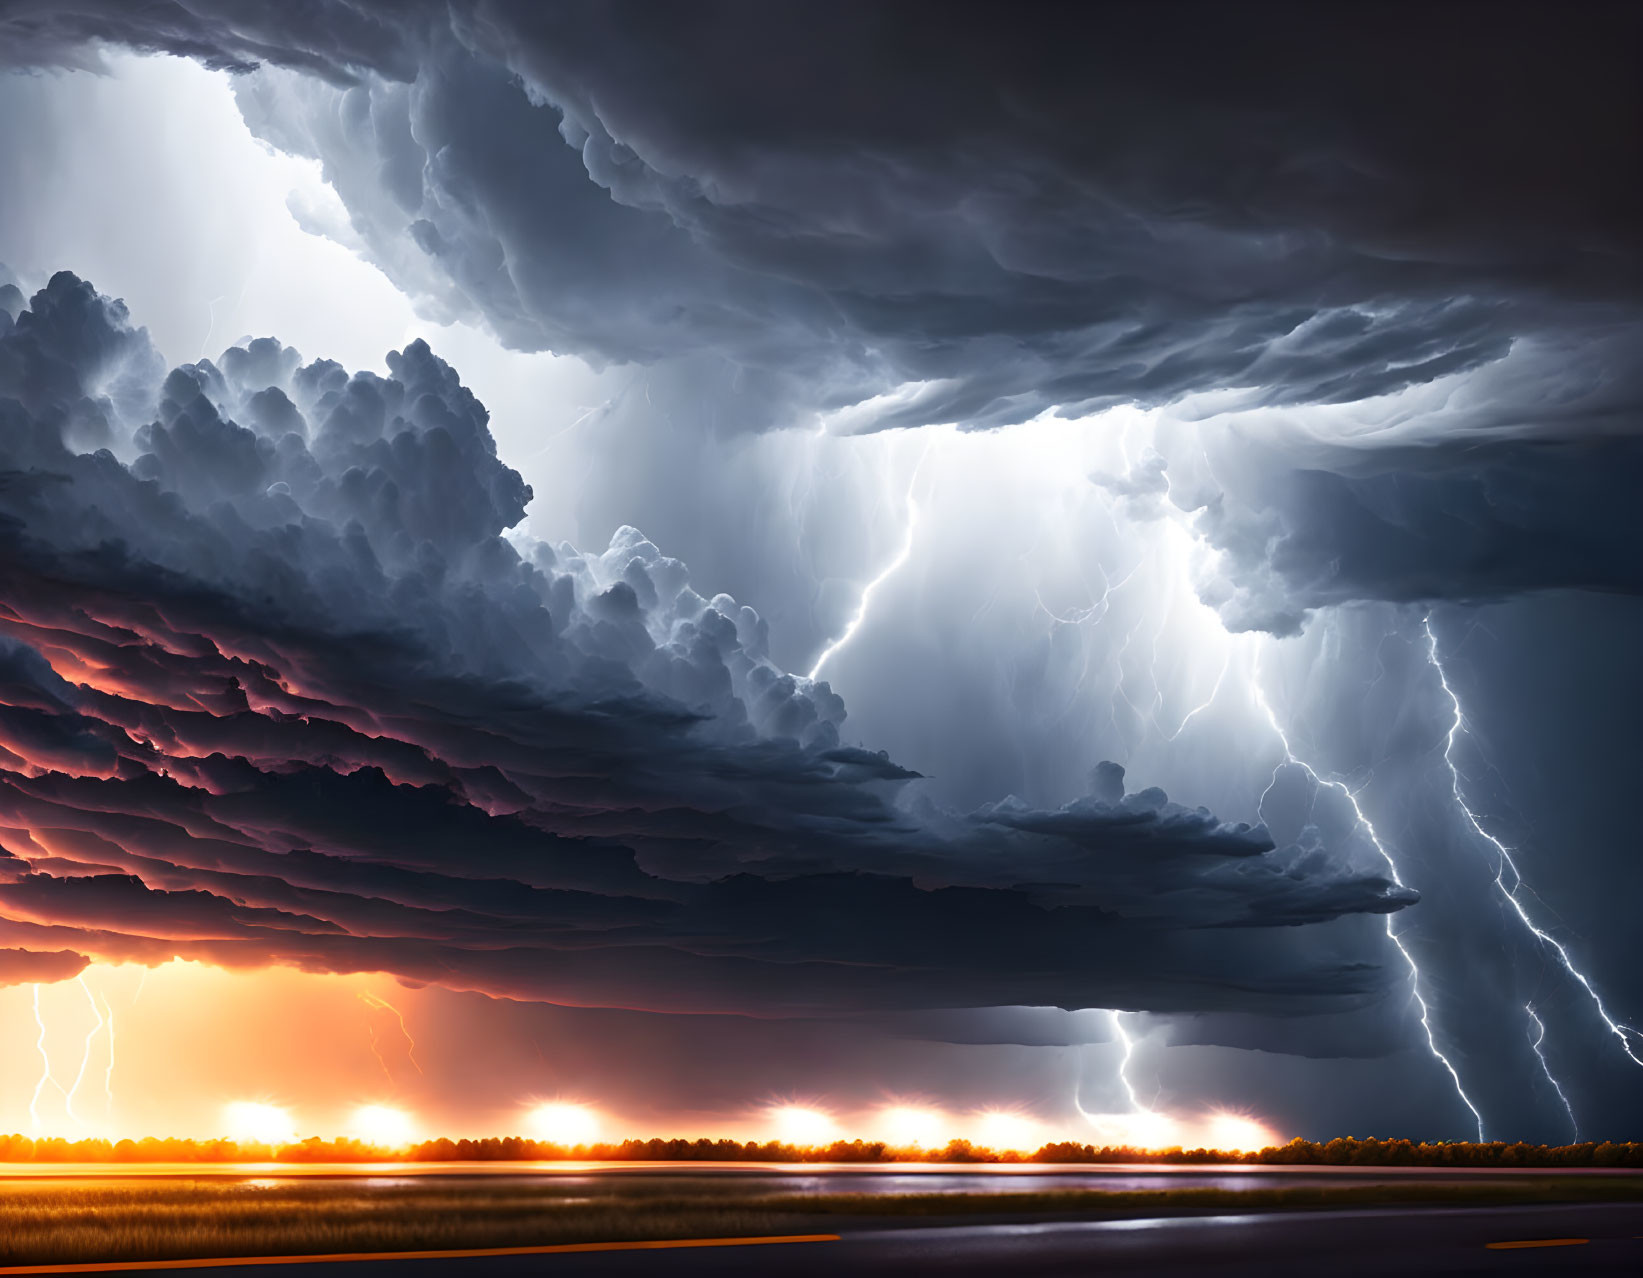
(1605, 1238)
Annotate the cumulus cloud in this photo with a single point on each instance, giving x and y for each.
(281, 685)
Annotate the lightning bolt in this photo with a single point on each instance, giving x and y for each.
(1504, 862)
(1540, 1037)
(1097, 609)
(382, 1004)
(1260, 698)
(211, 315)
(1128, 1045)
(1122, 675)
(108, 1073)
(1124, 1063)
(1206, 703)
(85, 1052)
(211, 325)
(889, 570)
(376, 1049)
(45, 1065)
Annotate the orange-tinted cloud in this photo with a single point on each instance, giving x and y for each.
(36, 967)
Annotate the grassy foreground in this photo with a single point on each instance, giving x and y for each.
(68, 1222)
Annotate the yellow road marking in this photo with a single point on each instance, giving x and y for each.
(475, 1253)
(1538, 1242)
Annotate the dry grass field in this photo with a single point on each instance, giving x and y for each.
(68, 1221)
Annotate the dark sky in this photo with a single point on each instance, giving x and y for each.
(1235, 399)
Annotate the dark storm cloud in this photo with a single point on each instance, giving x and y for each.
(286, 692)
(332, 40)
(910, 213)
(920, 213)
(1018, 208)
(1469, 522)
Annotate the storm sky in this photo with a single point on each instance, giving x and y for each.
(749, 551)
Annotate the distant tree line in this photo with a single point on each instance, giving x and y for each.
(1342, 1152)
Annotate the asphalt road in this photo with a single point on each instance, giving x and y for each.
(1604, 1238)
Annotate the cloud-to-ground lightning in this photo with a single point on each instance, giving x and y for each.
(1140, 1123)
(45, 1064)
(864, 603)
(381, 1004)
(85, 1050)
(108, 1073)
(1124, 1063)
(48, 1079)
(1504, 862)
(1260, 698)
(1128, 1045)
(1540, 1037)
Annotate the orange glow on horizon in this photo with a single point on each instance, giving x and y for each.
(1238, 1132)
(1005, 1129)
(258, 1123)
(383, 1126)
(273, 1055)
(565, 1123)
(803, 1125)
(920, 1125)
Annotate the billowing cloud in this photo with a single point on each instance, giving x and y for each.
(281, 687)
(1013, 211)
(1028, 215)
(1377, 288)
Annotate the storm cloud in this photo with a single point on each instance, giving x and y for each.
(975, 215)
(287, 692)
(1012, 210)
(1327, 320)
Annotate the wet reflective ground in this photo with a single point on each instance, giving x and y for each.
(803, 1178)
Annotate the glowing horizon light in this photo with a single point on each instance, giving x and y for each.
(257, 1122)
(1153, 1129)
(1237, 1132)
(1004, 1129)
(382, 1125)
(564, 1123)
(801, 1125)
(915, 1125)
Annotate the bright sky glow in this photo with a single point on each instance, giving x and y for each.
(915, 1125)
(800, 1125)
(258, 1122)
(1005, 1129)
(383, 1125)
(564, 1123)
